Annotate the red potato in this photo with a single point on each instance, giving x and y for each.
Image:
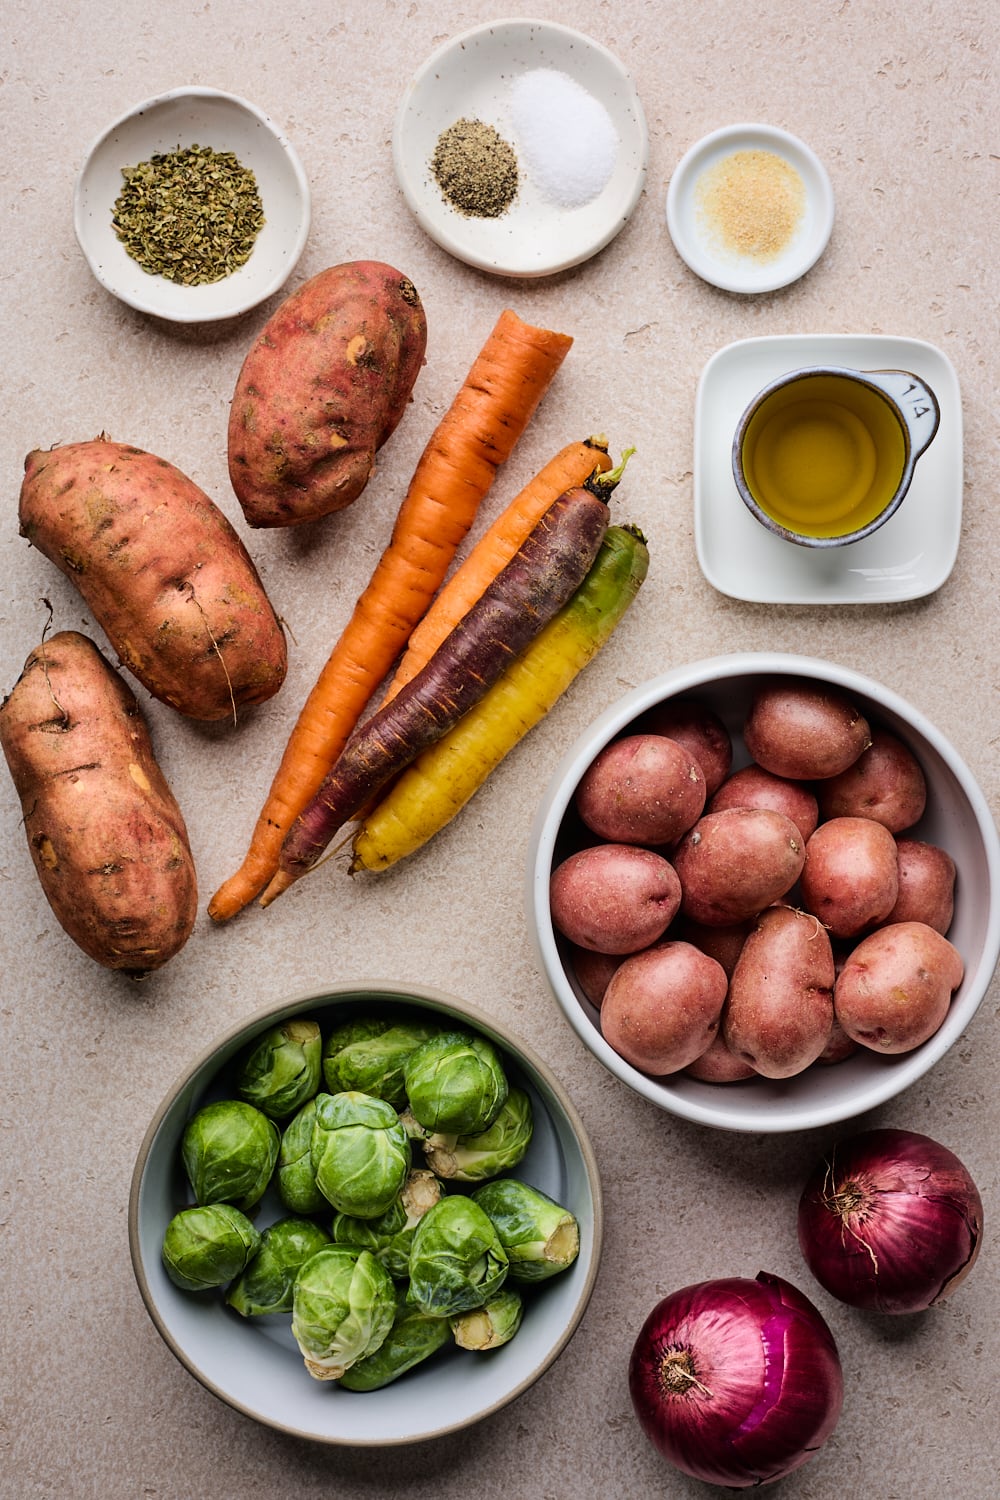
(105, 833)
(779, 1013)
(592, 971)
(927, 876)
(895, 987)
(724, 944)
(322, 389)
(165, 574)
(614, 898)
(662, 1007)
(850, 878)
(839, 1046)
(642, 789)
(804, 731)
(752, 786)
(885, 783)
(719, 1064)
(734, 863)
(699, 730)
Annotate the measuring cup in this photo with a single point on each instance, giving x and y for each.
(824, 455)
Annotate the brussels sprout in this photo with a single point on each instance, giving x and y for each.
(413, 1337)
(343, 1306)
(360, 1153)
(455, 1083)
(491, 1325)
(230, 1150)
(283, 1070)
(358, 1029)
(266, 1284)
(539, 1236)
(390, 1236)
(473, 1158)
(374, 1064)
(296, 1179)
(207, 1246)
(456, 1260)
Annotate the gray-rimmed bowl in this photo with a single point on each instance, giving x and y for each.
(254, 1364)
(169, 121)
(957, 817)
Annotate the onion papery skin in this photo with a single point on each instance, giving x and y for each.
(769, 1386)
(890, 1222)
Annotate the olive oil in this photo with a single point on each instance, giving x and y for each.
(824, 455)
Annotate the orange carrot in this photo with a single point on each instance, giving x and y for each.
(478, 432)
(495, 548)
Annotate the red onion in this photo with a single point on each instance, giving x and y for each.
(737, 1382)
(891, 1221)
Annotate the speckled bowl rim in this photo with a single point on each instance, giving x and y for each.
(425, 996)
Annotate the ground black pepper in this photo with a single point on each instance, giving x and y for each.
(475, 168)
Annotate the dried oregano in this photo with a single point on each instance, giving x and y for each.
(190, 215)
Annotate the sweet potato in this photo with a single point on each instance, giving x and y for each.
(164, 573)
(321, 390)
(105, 832)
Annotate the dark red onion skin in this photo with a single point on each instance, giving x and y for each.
(766, 1382)
(891, 1221)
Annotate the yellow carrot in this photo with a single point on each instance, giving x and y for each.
(438, 784)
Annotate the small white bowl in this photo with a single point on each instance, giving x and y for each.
(470, 76)
(702, 249)
(187, 117)
(254, 1364)
(957, 817)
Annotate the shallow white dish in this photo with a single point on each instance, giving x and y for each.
(254, 1364)
(908, 557)
(186, 117)
(470, 76)
(701, 249)
(957, 818)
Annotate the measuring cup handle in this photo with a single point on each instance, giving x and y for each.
(916, 401)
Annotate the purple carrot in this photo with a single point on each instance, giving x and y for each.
(542, 575)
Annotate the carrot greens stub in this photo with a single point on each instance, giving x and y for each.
(540, 578)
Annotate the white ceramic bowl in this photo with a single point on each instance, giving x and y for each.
(471, 75)
(187, 117)
(254, 1364)
(701, 249)
(957, 817)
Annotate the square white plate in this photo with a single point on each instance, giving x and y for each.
(908, 557)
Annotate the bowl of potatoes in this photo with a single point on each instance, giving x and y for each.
(763, 889)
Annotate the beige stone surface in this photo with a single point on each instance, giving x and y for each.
(899, 100)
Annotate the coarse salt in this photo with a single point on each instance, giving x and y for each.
(566, 139)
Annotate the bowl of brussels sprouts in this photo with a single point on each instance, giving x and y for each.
(366, 1216)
